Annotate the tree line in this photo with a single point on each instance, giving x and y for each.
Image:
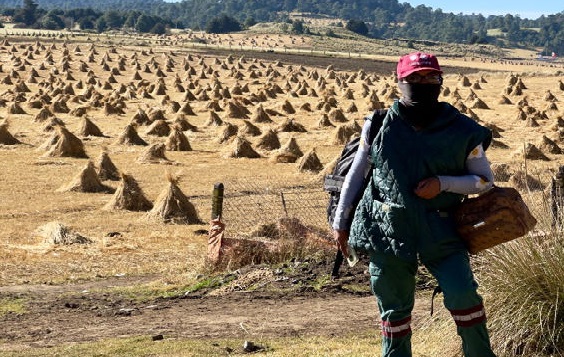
(384, 19)
(30, 15)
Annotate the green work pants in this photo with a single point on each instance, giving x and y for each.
(393, 283)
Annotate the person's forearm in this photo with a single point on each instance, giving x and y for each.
(479, 177)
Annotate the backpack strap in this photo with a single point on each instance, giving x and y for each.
(377, 119)
(333, 182)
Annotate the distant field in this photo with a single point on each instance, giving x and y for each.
(45, 287)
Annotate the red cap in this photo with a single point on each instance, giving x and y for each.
(417, 61)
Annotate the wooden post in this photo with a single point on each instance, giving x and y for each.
(217, 201)
(557, 198)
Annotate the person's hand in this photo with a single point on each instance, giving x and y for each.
(428, 188)
(342, 239)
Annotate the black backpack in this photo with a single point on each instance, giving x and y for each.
(334, 182)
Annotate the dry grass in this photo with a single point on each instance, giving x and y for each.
(29, 181)
(362, 343)
(288, 347)
(125, 242)
(525, 284)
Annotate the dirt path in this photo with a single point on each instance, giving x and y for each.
(74, 313)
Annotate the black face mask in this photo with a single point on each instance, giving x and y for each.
(420, 102)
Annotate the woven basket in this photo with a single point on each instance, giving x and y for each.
(492, 218)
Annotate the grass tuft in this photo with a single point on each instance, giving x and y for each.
(14, 305)
(524, 281)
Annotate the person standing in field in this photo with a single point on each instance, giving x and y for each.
(426, 157)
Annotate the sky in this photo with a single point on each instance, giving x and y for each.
(524, 8)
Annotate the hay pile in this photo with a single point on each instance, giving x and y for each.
(129, 136)
(479, 104)
(186, 109)
(236, 110)
(59, 107)
(498, 144)
(158, 128)
(530, 152)
(63, 143)
(214, 119)
(128, 196)
(328, 169)
(6, 138)
(86, 180)
(156, 114)
(324, 122)
(106, 168)
(496, 130)
(172, 206)
(249, 129)
(177, 141)
(284, 157)
(289, 153)
(336, 115)
(291, 125)
(182, 123)
(288, 108)
(140, 117)
(43, 115)
(352, 108)
(154, 154)
(501, 172)
(228, 132)
(88, 128)
(522, 181)
(53, 123)
(548, 145)
(292, 147)
(58, 233)
(269, 141)
(261, 116)
(504, 100)
(79, 111)
(345, 132)
(310, 162)
(306, 107)
(464, 81)
(241, 147)
(15, 108)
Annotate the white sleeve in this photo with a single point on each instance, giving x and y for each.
(479, 177)
(354, 181)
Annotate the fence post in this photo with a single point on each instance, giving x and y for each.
(557, 193)
(217, 201)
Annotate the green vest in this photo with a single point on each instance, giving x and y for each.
(390, 218)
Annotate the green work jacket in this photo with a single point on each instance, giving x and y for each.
(390, 218)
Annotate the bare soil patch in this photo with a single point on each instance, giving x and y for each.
(254, 301)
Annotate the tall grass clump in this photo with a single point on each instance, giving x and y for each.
(523, 285)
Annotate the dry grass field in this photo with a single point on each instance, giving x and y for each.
(49, 83)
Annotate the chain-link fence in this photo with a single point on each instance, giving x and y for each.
(254, 208)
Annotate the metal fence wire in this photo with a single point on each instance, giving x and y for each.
(254, 208)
